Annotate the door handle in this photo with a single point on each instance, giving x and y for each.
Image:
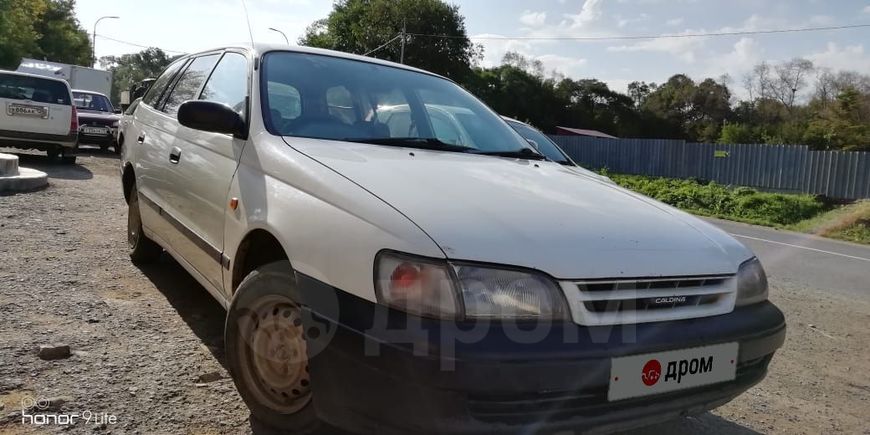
(175, 155)
(141, 138)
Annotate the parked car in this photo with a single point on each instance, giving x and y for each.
(98, 122)
(38, 114)
(550, 149)
(388, 281)
(126, 120)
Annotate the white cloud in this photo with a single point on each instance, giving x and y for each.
(570, 66)
(589, 13)
(867, 9)
(745, 54)
(850, 57)
(622, 22)
(682, 48)
(822, 20)
(533, 19)
(674, 21)
(495, 49)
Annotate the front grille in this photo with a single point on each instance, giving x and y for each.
(624, 301)
(550, 406)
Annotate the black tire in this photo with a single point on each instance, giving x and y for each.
(142, 249)
(268, 296)
(68, 156)
(53, 155)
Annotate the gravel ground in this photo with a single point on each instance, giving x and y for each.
(146, 343)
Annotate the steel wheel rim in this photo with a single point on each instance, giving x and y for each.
(275, 354)
(133, 222)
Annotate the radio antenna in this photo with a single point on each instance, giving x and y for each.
(248, 20)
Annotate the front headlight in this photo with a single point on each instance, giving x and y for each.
(508, 294)
(751, 283)
(116, 124)
(441, 289)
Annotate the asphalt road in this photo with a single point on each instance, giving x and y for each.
(806, 261)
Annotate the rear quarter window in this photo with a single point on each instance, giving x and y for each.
(38, 90)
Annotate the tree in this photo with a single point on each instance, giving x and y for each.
(130, 69)
(42, 29)
(738, 133)
(790, 80)
(639, 91)
(361, 26)
(63, 38)
(18, 37)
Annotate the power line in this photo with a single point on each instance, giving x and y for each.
(637, 37)
(133, 44)
(383, 45)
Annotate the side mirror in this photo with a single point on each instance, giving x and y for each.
(213, 117)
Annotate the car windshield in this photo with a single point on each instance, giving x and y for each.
(324, 97)
(17, 87)
(95, 102)
(544, 145)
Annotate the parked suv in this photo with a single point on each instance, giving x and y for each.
(550, 149)
(384, 280)
(38, 113)
(98, 122)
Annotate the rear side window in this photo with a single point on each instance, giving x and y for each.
(156, 90)
(35, 89)
(190, 82)
(228, 83)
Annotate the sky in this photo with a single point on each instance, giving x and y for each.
(192, 25)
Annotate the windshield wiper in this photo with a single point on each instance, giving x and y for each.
(522, 153)
(413, 142)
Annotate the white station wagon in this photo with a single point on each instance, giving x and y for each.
(383, 273)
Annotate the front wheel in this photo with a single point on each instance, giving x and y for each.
(142, 249)
(267, 353)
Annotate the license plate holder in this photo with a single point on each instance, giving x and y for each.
(95, 130)
(26, 110)
(664, 372)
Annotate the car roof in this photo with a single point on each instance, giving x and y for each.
(37, 76)
(82, 91)
(262, 48)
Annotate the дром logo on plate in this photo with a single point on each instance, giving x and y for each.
(652, 371)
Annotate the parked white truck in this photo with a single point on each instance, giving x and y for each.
(78, 77)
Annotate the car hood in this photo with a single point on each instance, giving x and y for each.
(539, 215)
(92, 115)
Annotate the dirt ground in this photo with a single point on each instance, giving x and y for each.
(147, 342)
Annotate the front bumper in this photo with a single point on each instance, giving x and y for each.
(107, 138)
(380, 371)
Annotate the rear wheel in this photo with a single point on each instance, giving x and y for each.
(267, 353)
(142, 249)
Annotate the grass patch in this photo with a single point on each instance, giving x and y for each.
(712, 199)
(801, 213)
(849, 222)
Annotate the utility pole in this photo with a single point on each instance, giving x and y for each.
(404, 31)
